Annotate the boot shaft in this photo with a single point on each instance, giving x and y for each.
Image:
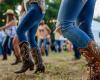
(37, 56)
(92, 55)
(27, 62)
(24, 50)
(38, 60)
(92, 50)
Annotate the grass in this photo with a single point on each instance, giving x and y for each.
(59, 66)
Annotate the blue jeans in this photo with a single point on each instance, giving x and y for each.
(77, 54)
(1, 48)
(58, 45)
(45, 44)
(29, 24)
(7, 46)
(82, 12)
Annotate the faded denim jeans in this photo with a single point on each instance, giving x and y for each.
(81, 11)
(29, 24)
(45, 44)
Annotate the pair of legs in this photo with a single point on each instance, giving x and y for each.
(26, 35)
(81, 11)
(29, 24)
(45, 45)
(84, 22)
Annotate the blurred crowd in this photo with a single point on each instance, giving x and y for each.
(8, 38)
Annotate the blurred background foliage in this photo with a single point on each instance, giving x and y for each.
(52, 7)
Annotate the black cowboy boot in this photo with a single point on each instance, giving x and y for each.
(27, 63)
(18, 60)
(38, 60)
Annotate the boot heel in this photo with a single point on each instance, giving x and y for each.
(42, 70)
(31, 68)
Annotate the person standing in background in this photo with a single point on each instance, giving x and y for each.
(10, 31)
(43, 36)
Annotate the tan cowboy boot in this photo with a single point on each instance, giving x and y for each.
(27, 63)
(38, 60)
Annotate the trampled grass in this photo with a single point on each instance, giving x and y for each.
(59, 66)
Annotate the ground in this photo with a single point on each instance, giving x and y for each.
(59, 66)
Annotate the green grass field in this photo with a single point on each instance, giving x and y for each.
(58, 67)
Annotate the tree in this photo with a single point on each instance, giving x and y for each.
(51, 15)
(52, 10)
(7, 4)
(51, 5)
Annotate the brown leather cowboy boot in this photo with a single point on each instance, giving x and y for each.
(93, 69)
(92, 55)
(27, 63)
(38, 60)
(92, 50)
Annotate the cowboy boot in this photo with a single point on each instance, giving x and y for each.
(27, 63)
(94, 70)
(91, 50)
(4, 56)
(18, 60)
(38, 60)
(92, 55)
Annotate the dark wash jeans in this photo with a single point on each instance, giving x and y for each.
(28, 26)
(82, 12)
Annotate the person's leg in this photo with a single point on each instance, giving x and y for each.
(85, 18)
(5, 48)
(45, 46)
(77, 54)
(68, 13)
(35, 50)
(59, 43)
(56, 45)
(84, 21)
(30, 19)
(1, 48)
(39, 43)
(10, 46)
(16, 51)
